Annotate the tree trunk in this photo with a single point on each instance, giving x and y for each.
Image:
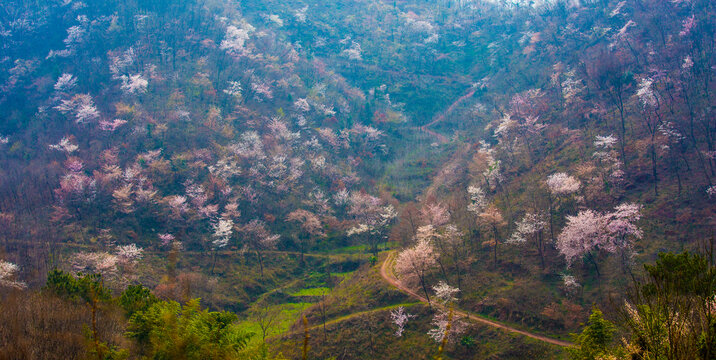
(261, 263)
(540, 250)
(213, 263)
(494, 229)
(425, 290)
(95, 333)
(653, 166)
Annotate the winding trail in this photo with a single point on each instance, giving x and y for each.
(440, 117)
(450, 109)
(386, 272)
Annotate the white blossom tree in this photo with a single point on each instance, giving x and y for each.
(8, 272)
(444, 321)
(530, 226)
(400, 318)
(223, 228)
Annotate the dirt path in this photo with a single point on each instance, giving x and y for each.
(330, 323)
(387, 273)
(450, 109)
(440, 117)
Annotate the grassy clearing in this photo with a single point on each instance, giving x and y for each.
(286, 315)
(318, 291)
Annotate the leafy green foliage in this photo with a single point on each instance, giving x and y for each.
(86, 287)
(136, 298)
(595, 339)
(672, 316)
(168, 330)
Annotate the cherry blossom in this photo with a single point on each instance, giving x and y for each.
(621, 34)
(617, 9)
(711, 191)
(119, 63)
(478, 199)
(134, 84)
(65, 83)
(400, 319)
(592, 231)
(222, 233)
(250, 145)
(415, 263)
(177, 204)
(506, 125)
(341, 197)
(129, 253)
(354, 52)
(309, 221)
(359, 229)
(605, 142)
(262, 90)
(234, 89)
(259, 237)
(8, 271)
(74, 184)
(225, 168)
(75, 36)
(645, 92)
(82, 106)
(530, 224)
(562, 184)
(122, 198)
(235, 39)
(688, 25)
(571, 87)
(166, 238)
(300, 14)
(492, 174)
(102, 263)
(65, 145)
(569, 283)
(620, 225)
(74, 164)
(583, 233)
(111, 126)
(275, 19)
(435, 214)
(445, 293)
(302, 105)
(440, 321)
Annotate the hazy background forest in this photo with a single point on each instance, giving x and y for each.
(353, 179)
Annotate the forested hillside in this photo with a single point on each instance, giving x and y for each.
(352, 179)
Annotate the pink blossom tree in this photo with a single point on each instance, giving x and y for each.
(492, 217)
(311, 228)
(590, 232)
(258, 239)
(414, 264)
(435, 214)
(372, 217)
(559, 185)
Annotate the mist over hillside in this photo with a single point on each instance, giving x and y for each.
(357, 179)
